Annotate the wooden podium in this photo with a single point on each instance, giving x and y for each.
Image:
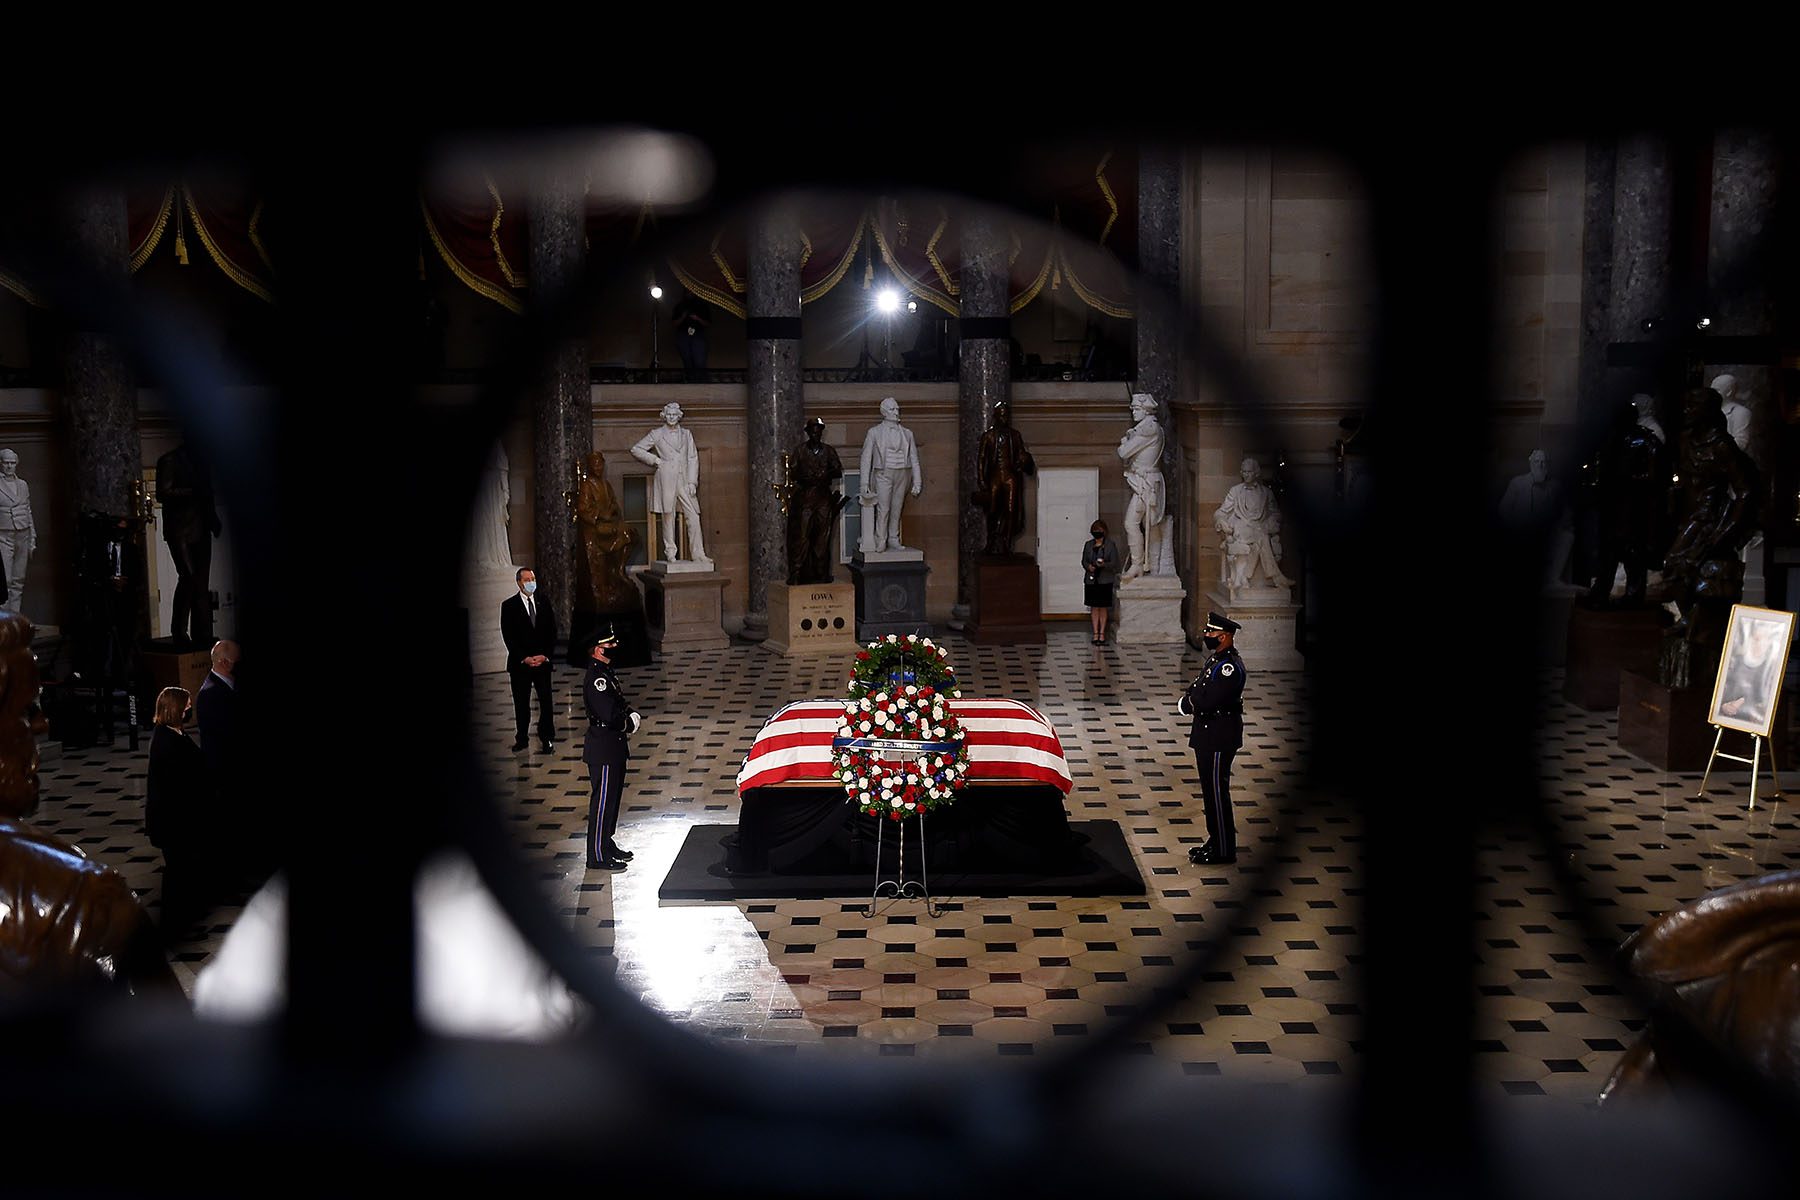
(1005, 608)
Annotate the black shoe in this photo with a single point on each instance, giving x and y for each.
(1207, 856)
(606, 864)
(622, 855)
(547, 747)
(521, 744)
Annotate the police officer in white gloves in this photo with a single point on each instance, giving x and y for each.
(1216, 702)
(611, 722)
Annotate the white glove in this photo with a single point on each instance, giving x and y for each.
(635, 722)
(1183, 708)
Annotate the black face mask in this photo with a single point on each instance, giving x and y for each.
(1212, 643)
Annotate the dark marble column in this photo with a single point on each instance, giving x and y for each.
(772, 419)
(1596, 271)
(1643, 206)
(99, 396)
(984, 379)
(1158, 307)
(562, 406)
(1738, 254)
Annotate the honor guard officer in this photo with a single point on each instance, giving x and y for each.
(1216, 702)
(611, 722)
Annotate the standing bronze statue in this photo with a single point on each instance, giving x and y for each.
(1703, 573)
(812, 507)
(605, 595)
(190, 522)
(1630, 489)
(1001, 465)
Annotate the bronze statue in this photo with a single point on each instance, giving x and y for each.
(190, 522)
(1001, 465)
(65, 921)
(812, 507)
(1630, 484)
(603, 545)
(1703, 572)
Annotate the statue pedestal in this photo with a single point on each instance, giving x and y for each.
(166, 662)
(1004, 605)
(812, 618)
(485, 589)
(890, 593)
(1150, 611)
(1266, 639)
(1604, 642)
(684, 605)
(1667, 727)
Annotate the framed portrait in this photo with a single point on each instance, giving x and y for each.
(1751, 668)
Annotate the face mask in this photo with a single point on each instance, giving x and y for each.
(1098, 534)
(530, 586)
(1212, 643)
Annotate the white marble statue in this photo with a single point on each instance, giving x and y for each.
(1645, 404)
(488, 545)
(1737, 413)
(18, 533)
(890, 469)
(670, 450)
(1251, 523)
(1534, 499)
(1147, 520)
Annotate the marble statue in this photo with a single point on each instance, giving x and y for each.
(1645, 404)
(1737, 413)
(1147, 521)
(670, 450)
(1533, 502)
(1703, 570)
(18, 532)
(1251, 523)
(488, 543)
(890, 469)
(812, 506)
(1631, 496)
(1001, 465)
(602, 545)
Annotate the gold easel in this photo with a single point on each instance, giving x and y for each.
(1753, 762)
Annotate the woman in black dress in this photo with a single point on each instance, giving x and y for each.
(176, 804)
(1100, 562)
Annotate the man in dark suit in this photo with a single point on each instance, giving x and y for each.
(1216, 702)
(218, 709)
(529, 629)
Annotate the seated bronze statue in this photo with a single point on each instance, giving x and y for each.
(65, 921)
(1723, 974)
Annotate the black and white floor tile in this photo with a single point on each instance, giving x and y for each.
(1020, 979)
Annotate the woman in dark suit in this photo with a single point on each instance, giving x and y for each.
(1100, 564)
(176, 805)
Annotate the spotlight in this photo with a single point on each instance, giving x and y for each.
(1703, 323)
(887, 300)
(655, 292)
(912, 306)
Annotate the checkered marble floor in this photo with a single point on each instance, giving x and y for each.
(1017, 979)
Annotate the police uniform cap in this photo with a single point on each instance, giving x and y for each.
(605, 636)
(812, 422)
(1221, 623)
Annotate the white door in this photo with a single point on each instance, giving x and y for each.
(1068, 500)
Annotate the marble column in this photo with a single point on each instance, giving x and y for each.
(1746, 169)
(1739, 252)
(984, 379)
(772, 420)
(1159, 299)
(562, 406)
(1641, 285)
(99, 398)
